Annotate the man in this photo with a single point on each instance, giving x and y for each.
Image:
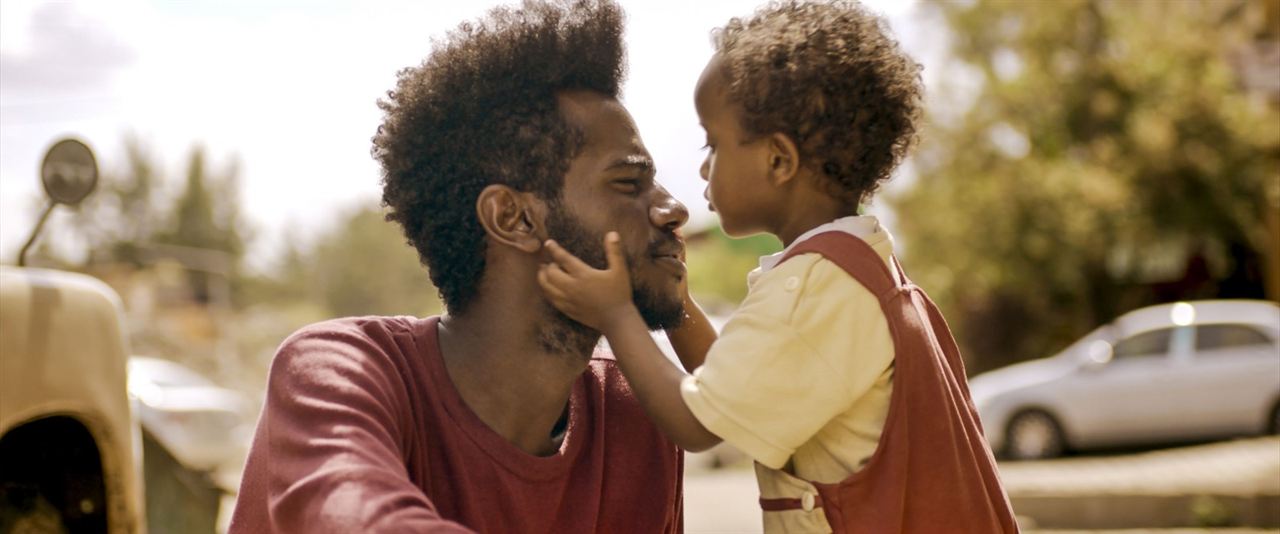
(496, 417)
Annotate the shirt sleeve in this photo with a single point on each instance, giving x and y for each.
(805, 344)
(330, 439)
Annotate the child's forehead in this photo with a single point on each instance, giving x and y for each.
(717, 73)
(712, 91)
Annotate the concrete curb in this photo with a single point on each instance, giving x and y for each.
(1146, 511)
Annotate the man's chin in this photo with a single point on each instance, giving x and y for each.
(660, 311)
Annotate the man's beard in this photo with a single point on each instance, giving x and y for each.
(564, 333)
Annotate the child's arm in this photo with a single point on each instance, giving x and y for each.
(602, 300)
(693, 338)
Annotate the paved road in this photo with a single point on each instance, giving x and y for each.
(1240, 467)
(1234, 482)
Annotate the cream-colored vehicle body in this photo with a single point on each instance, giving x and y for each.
(63, 390)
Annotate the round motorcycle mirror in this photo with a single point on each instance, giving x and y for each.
(69, 172)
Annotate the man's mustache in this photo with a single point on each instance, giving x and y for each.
(669, 244)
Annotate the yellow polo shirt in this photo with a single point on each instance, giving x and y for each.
(801, 375)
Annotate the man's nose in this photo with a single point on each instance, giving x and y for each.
(666, 212)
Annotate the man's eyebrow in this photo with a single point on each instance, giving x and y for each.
(635, 160)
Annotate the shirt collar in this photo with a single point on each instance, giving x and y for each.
(865, 227)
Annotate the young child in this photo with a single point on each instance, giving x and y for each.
(836, 374)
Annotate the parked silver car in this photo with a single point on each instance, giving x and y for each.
(1173, 372)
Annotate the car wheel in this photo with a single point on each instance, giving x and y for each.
(1033, 435)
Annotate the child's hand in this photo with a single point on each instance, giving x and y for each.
(588, 295)
(683, 257)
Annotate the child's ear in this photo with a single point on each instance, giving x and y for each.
(784, 159)
(511, 217)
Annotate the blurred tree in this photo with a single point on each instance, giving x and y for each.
(174, 258)
(361, 266)
(122, 215)
(130, 221)
(207, 224)
(206, 214)
(1106, 159)
(718, 266)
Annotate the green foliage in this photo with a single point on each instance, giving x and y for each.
(1107, 143)
(718, 266)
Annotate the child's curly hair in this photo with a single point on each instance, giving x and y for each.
(830, 76)
(482, 110)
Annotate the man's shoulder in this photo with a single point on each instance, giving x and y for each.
(351, 342)
(376, 329)
(604, 372)
(615, 401)
(603, 365)
(365, 324)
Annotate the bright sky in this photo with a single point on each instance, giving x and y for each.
(288, 88)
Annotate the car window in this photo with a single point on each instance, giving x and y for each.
(1146, 343)
(1223, 336)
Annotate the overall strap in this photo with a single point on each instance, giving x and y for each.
(862, 263)
(855, 256)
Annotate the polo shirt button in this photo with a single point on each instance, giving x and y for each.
(791, 284)
(807, 501)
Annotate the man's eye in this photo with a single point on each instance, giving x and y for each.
(630, 186)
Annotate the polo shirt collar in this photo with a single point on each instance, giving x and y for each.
(864, 227)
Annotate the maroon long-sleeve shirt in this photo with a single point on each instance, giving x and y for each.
(363, 432)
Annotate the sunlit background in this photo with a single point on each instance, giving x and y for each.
(285, 93)
(1079, 160)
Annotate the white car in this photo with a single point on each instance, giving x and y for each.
(1173, 372)
(202, 424)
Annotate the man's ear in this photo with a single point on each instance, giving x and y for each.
(511, 218)
(784, 159)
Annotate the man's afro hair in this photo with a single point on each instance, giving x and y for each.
(482, 110)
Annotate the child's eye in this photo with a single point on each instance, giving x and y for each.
(709, 146)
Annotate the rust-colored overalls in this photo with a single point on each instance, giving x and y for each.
(933, 471)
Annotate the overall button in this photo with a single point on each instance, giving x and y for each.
(792, 283)
(807, 501)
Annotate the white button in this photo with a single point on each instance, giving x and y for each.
(807, 501)
(791, 284)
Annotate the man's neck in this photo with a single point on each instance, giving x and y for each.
(500, 361)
